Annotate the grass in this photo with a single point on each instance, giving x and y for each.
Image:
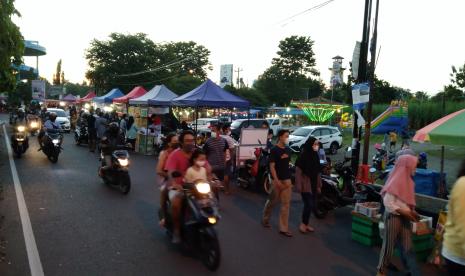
(449, 153)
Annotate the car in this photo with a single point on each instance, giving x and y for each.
(237, 125)
(62, 118)
(329, 136)
(204, 124)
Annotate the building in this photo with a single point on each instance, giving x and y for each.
(337, 72)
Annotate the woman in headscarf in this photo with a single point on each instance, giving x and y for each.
(399, 200)
(308, 180)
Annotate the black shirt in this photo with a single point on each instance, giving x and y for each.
(281, 157)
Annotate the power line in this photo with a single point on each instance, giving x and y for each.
(150, 81)
(154, 69)
(316, 7)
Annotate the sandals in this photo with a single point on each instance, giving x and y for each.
(266, 224)
(286, 233)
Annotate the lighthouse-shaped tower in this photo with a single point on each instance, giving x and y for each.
(337, 72)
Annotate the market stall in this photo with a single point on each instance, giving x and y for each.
(108, 98)
(122, 102)
(87, 98)
(69, 98)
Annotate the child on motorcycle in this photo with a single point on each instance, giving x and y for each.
(197, 171)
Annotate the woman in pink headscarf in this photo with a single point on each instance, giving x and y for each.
(399, 200)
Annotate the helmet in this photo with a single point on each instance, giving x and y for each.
(52, 116)
(423, 155)
(113, 128)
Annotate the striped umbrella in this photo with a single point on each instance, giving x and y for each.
(449, 130)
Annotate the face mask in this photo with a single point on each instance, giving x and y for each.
(286, 141)
(200, 163)
(316, 148)
(213, 134)
(174, 145)
(189, 148)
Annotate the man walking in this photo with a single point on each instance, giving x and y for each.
(215, 148)
(282, 186)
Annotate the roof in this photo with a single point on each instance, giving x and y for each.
(135, 93)
(159, 93)
(69, 98)
(208, 94)
(108, 98)
(88, 97)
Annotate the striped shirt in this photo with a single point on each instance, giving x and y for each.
(215, 148)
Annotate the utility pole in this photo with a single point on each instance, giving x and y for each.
(366, 141)
(362, 77)
(238, 71)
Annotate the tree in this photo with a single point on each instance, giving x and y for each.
(421, 96)
(57, 75)
(76, 88)
(458, 77)
(11, 45)
(183, 84)
(254, 96)
(452, 94)
(187, 58)
(296, 57)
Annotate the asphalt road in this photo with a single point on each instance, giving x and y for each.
(82, 227)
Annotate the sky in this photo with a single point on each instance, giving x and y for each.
(420, 39)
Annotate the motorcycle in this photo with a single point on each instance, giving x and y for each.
(254, 172)
(382, 158)
(19, 141)
(35, 125)
(52, 146)
(199, 216)
(117, 176)
(81, 135)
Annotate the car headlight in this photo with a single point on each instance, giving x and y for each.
(123, 162)
(203, 188)
(55, 141)
(34, 124)
(21, 128)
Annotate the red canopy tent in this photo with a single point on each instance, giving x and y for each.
(135, 93)
(88, 97)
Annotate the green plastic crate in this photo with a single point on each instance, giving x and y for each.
(365, 240)
(365, 230)
(363, 220)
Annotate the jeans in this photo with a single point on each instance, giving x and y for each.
(308, 201)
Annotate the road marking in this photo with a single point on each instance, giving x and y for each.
(31, 247)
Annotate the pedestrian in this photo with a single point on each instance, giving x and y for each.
(321, 152)
(91, 130)
(453, 248)
(308, 180)
(386, 140)
(399, 200)
(123, 124)
(282, 186)
(101, 123)
(131, 132)
(393, 140)
(216, 148)
(230, 156)
(405, 138)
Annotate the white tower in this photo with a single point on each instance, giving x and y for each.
(337, 72)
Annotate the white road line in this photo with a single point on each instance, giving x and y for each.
(31, 247)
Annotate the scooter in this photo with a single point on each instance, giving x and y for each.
(117, 176)
(52, 146)
(254, 172)
(81, 135)
(382, 158)
(198, 219)
(35, 125)
(20, 141)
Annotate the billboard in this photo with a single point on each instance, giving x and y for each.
(226, 75)
(38, 89)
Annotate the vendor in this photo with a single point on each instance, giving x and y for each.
(155, 127)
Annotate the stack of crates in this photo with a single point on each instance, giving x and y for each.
(422, 246)
(365, 230)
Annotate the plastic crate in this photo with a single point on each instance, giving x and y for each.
(422, 246)
(365, 240)
(367, 211)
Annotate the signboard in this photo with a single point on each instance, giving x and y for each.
(226, 75)
(38, 89)
(356, 60)
(360, 95)
(55, 90)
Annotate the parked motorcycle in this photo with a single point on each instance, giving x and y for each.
(382, 158)
(81, 135)
(19, 140)
(254, 173)
(52, 146)
(200, 215)
(117, 176)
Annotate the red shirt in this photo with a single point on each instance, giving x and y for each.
(178, 161)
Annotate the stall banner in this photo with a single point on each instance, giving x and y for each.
(158, 110)
(360, 95)
(143, 112)
(38, 89)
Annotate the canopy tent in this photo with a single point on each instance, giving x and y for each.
(136, 92)
(163, 96)
(108, 98)
(159, 91)
(69, 98)
(208, 94)
(88, 97)
(445, 131)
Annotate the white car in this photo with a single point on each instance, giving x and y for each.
(204, 124)
(329, 136)
(62, 118)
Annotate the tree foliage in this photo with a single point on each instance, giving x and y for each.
(11, 45)
(254, 96)
(58, 74)
(296, 57)
(458, 77)
(125, 61)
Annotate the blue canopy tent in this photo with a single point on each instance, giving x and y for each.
(208, 94)
(108, 98)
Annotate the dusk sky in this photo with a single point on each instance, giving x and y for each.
(420, 39)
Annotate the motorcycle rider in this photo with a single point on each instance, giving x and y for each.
(50, 125)
(109, 143)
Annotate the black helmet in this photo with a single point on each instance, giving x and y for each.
(52, 116)
(113, 128)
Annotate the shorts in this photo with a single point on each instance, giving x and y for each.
(173, 193)
(219, 173)
(228, 171)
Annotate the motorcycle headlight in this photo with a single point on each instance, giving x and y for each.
(21, 128)
(34, 124)
(55, 141)
(203, 188)
(123, 162)
(212, 220)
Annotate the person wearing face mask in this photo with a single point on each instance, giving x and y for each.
(399, 200)
(216, 148)
(280, 156)
(197, 171)
(308, 180)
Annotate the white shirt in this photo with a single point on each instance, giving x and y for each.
(193, 175)
(231, 142)
(393, 203)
